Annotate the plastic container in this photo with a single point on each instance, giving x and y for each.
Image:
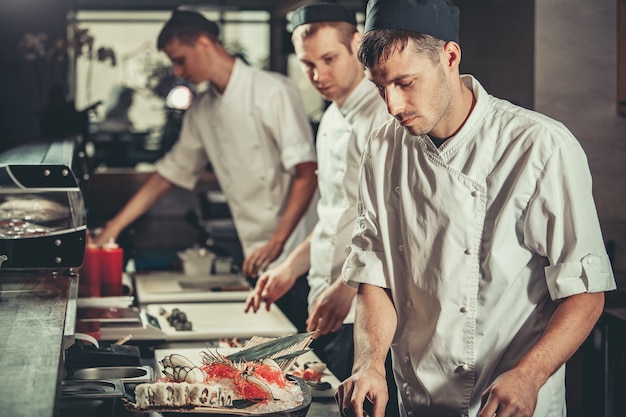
(197, 261)
(111, 269)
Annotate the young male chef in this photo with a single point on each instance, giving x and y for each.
(325, 40)
(251, 126)
(477, 252)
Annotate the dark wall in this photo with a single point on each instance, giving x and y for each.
(24, 85)
(498, 46)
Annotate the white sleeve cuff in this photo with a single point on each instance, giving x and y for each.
(364, 267)
(592, 274)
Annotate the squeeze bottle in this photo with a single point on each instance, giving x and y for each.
(111, 265)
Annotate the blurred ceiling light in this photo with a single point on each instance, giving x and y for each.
(179, 98)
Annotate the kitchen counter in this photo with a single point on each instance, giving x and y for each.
(319, 408)
(323, 408)
(35, 328)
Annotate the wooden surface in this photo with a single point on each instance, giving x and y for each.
(32, 319)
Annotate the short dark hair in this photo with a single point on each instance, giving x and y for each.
(187, 26)
(345, 32)
(379, 44)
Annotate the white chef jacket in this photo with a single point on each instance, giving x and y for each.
(341, 138)
(476, 240)
(253, 134)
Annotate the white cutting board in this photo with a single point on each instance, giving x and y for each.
(176, 287)
(194, 355)
(216, 320)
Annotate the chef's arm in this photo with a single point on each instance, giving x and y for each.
(374, 327)
(299, 260)
(568, 328)
(302, 189)
(275, 283)
(153, 189)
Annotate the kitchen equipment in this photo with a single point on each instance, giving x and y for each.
(42, 237)
(95, 398)
(125, 374)
(42, 215)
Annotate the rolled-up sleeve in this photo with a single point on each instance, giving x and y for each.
(592, 273)
(562, 225)
(188, 157)
(286, 119)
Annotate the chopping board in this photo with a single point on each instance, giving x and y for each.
(194, 355)
(176, 287)
(217, 320)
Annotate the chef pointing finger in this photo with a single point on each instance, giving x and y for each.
(325, 40)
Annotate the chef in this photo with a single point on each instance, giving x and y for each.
(326, 39)
(251, 126)
(477, 251)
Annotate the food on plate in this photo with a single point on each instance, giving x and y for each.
(312, 374)
(177, 319)
(307, 374)
(252, 379)
(182, 394)
(317, 366)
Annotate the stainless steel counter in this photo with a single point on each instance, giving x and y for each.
(33, 323)
(323, 408)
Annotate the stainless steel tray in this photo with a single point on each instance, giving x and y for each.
(91, 389)
(125, 374)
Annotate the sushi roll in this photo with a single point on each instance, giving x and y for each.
(181, 394)
(143, 394)
(163, 394)
(198, 394)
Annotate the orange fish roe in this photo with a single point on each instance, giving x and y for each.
(219, 370)
(271, 375)
(251, 391)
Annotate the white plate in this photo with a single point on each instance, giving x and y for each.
(212, 321)
(174, 287)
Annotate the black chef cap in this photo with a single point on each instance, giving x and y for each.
(431, 17)
(322, 12)
(195, 19)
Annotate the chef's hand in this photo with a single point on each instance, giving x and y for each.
(511, 394)
(270, 286)
(330, 308)
(108, 234)
(258, 260)
(364, 386)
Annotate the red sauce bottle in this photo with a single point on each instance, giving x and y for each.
(89, 273)
(111, 265)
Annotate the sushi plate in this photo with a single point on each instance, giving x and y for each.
(299, 411)
(194, 355)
